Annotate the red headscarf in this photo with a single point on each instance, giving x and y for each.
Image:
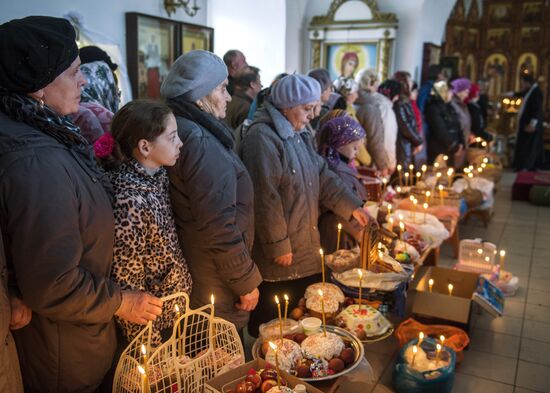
(474, 92)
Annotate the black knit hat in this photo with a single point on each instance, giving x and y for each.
(89, 54)
(34, 51)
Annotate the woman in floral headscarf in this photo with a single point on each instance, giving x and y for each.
(343, 138)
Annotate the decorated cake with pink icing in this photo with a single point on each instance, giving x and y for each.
(366, 322)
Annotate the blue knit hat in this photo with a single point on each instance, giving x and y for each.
(294, 90)
(194, 75)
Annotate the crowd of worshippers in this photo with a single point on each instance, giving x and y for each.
(222, 187)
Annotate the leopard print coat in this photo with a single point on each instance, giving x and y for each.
(147, 255)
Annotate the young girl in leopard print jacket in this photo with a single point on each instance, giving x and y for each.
(147, 255)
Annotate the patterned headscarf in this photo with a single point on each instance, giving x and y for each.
(339, 132)
(101, 86)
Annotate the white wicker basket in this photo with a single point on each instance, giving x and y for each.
(205, 347)
(476, 256)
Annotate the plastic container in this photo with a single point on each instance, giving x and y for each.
(476, 256)
(408, 380)
(311, 325)
(271, 329)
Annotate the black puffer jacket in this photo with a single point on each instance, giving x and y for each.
(445, 132)
(407, 136)
(478, 122)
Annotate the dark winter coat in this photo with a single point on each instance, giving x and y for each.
(445, 132)
(237, 110)
(58, 229)
(328, 221)
(529, 151)
(213, 201)
(478, 122)
(290, 182)
(407, 134)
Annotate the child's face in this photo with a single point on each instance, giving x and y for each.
(351, 150)
(165, 149)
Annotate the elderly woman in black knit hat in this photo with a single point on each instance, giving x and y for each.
(290, 182)
(56, 215)
(211, 191)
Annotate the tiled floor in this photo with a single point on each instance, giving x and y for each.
(512, 353)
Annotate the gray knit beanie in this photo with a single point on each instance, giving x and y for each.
(194, 75)
(294, 90)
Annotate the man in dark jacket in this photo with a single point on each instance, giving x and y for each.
(247, 85)
(56, 216)
(529, 151)
(234, 60)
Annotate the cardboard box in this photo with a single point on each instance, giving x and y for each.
(228, 380)
(438, 304)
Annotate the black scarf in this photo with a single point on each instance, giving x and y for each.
(190, 111)
(22, 108)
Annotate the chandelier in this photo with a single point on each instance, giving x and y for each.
(171, 6)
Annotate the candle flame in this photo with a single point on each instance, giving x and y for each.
(440, 187)
(415, 349)
(421, 335)
(485, 160)
(176, 307)
(320, 292)
(487, 259)
(273, 346)
(384, 180)
(399, 167)
(502, 253)
(400, 216)
(411, 198)
(428, 193)
(479, 251)
(339, 226)
(425, 205)
(438, 346)
(406, 174)
(276, 299)
(286, 297)
(424, 168)
(389, 206)
(438, 175)
(398, 189)
(418, 174)
(450, 286)
(436, 165)
(391, 220)
(442, 339)
(411, 166)
(415, 201)
(401, 225)
(360, 273)
(450, 171)
(380, 254)
(141, 370)
(143, 350)
(445, 157)
(321, 251)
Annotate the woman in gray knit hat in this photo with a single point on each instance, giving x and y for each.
(290, 182)
(211, 191)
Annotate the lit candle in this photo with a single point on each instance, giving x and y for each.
(440, 194)
(502, 255)
(420, 338)
(322, 265)
(398, 189)
(450, 176)
(428, 195)
(144, 354)
(178, 334)
(424, 169)
(286, 305)
(436, 165)
(389, 210)
(390, 224)
(431, 284)
(415, 350)
(339, 235)
(406, 179)
(450, 287)
(402, 229)
(360, 273)
(442, 339)
(399, 167)
(274, 347)
(437, 353)
(445, 158)
(144, 381)
(384, 185)
(418, 176)
(280, 317)
(425, 206)
(323, 312)
(411, 168)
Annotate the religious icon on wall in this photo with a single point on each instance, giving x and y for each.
(344, 60)
(527, 64)
(496, 69)
(498, 38)
(196, 37)
(530, 36)
(532, 12)
(500, 13)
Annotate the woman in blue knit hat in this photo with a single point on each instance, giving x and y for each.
(290, 182)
